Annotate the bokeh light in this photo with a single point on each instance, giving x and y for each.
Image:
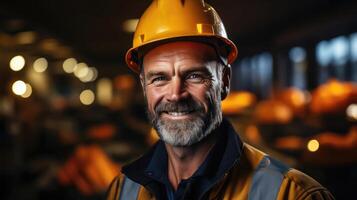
(323, 53)
(81, 70)
(95, 73)
(69, 65)
(313, 145)
(297, 54)
(87, 97)
(340, 46)
(351, 111)
(104, 91)
(90, 76)
(19, 87)
(17, 63)
(40, 65)
(28, 91)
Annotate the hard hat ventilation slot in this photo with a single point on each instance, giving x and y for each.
(182, 2)
(142, 37)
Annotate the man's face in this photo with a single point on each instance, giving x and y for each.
(182, 82)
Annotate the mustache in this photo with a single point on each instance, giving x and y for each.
(180, 106)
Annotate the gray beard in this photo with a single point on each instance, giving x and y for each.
(181, 132)
(186, 132)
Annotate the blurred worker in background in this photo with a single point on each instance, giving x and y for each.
(183, 56)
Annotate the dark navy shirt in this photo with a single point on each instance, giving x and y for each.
(196, 185)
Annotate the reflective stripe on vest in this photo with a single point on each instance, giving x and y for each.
(129, 190)
(267, 179)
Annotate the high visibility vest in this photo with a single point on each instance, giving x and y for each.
(265, 185)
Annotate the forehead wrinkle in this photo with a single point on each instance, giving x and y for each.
(180, 55)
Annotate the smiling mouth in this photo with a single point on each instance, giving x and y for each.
(178, 114)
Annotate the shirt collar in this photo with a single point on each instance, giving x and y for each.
(157, 167)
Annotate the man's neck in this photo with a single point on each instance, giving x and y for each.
(184, 161)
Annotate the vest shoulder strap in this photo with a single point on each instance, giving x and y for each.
(267, 179)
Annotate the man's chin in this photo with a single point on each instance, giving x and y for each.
(179, 143)
(181, 132)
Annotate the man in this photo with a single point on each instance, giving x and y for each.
(183, 56)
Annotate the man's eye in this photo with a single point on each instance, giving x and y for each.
(158, 79)
(195, 77)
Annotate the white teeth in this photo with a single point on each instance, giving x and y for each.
(177, 113)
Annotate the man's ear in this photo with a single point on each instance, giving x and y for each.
(226, 80)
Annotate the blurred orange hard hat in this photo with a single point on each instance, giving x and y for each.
(175, 20)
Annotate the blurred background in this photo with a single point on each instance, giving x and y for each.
(72, 113)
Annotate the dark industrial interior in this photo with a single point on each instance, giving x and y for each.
(64, 134)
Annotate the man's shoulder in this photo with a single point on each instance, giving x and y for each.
(301, 179)
(294, 183)
(302, 186)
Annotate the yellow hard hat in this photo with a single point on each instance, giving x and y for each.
(173, 20)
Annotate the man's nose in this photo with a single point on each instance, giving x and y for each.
(177, 90)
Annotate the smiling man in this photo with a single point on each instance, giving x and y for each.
(182, 83)
(183, 56)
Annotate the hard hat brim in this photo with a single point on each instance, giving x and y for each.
(133, 56)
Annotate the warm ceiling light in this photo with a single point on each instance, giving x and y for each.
(28, 91)
(87, 77)
(351, 111)
(81, 70)
(40, 65)
(17, 63)
(69, 65)
(87, 97)
(95, 73)
(313, 145)
(19, 87)
(91, 75)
